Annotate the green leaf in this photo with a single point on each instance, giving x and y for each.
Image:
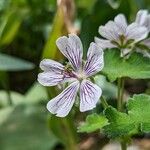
(136, 67)
(5, 113)
(139, 110)
(9, 63)
(37, 93)
(93, 123)
(26, 129)
(34, 95)
(135, 121)
(10, 25)
(58, 29)
(109, 89)
(120, 123)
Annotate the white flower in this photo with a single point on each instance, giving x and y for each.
(78, 74)
(143, 18)
(120, 35)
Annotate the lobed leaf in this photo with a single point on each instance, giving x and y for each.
(136, 67)
(93, 123)
(135, 121)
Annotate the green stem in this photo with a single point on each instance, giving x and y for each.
(120, 105)
(120, 94)
(71, 144)
(123, 146)
(104, 102)
(9, 97)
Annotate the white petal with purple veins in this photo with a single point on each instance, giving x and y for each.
(72, 49)
(95, 61)
(50, 78)
(136, 32)
(51, 65)
(109, 31)
(144, 52)
(89, 95)
(146, 42)
(141, 17)
(62, 104)
(121, 22)
(104, 43)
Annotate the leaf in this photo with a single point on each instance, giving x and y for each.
(16, 98)
(5, 113)
(120, 123)
(26, 129)
(58, 29)
(10, 25)
(93, 123)
(135, 121)
(34, 95)
(109, 89)
(9, 63)
(37, 93)
(139, 110)
(136, 67)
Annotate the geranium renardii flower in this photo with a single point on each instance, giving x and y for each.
(143, 18)
(78, 75)
(120, 35)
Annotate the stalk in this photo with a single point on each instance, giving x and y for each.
(120, 105)
(120, 94)
(123, 146)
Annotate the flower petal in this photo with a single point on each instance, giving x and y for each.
(144, 52)
(62, 104)
(109, 31)
(136, 32)
(146, 42)
(50, 78)
(95, 61)
(72, 49)
(89, 95)
(121, 22)
(51, 65)
(141, 17)
(104, 43)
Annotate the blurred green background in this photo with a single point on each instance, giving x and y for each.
(28, 30)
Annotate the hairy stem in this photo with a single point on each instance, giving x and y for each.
(104, 102)
(120, 94)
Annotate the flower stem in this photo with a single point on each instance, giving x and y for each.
(71, 144)
(123, 146)
(104, 102)
(120, 105)
(120, 93)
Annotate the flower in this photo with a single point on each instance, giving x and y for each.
(143, 18)
(120, 35)
(77, 73)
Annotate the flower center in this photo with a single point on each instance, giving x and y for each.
(80, 75)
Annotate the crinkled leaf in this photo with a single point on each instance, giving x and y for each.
(136, 67)
(93, 123)
(139, 111)
(9, 63)
(120, 123)
(135, 121)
